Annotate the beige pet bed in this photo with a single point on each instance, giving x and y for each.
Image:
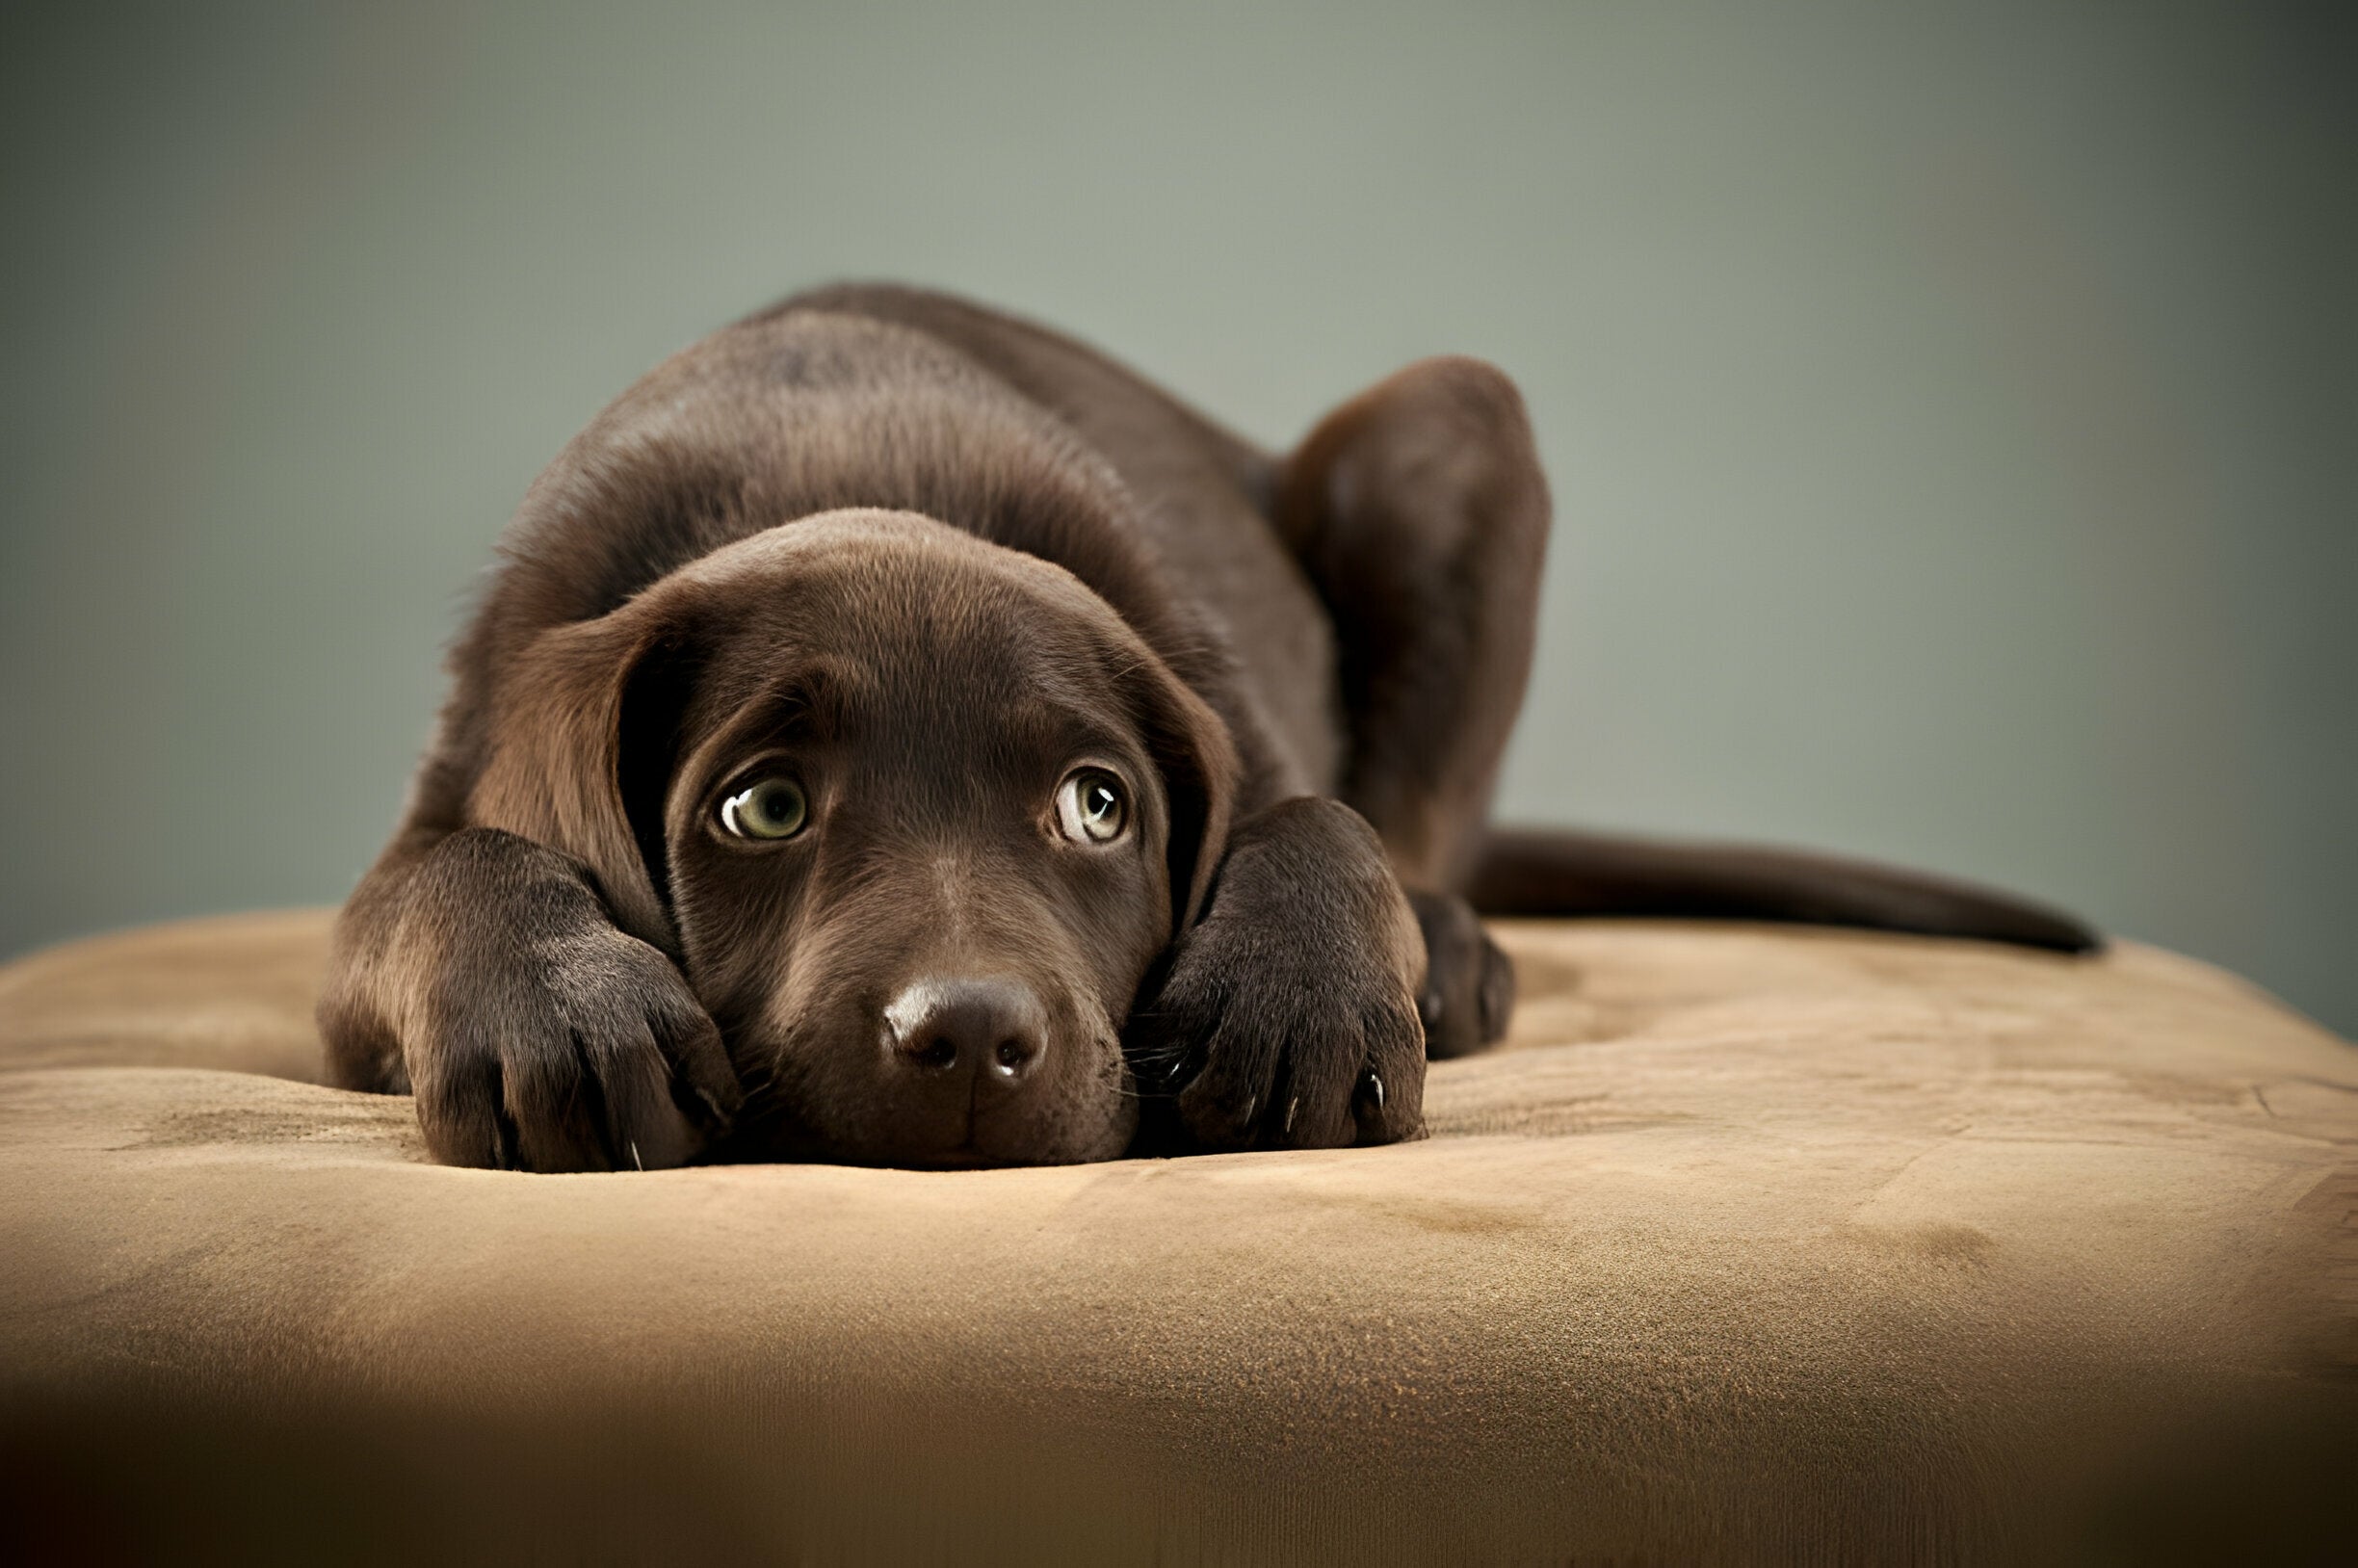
(1750, 1245)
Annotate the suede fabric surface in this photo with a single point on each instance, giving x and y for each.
(1749, 1245)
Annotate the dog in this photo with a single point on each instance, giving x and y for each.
(897, 734)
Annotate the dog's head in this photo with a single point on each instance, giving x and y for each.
(914, 812)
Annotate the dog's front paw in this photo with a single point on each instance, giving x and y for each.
(541, 1037)
(1289, 1016)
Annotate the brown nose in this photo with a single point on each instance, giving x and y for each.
(994, 1029)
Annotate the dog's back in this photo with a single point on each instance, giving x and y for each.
(1205, 497)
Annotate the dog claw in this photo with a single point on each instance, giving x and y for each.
(1372, 1087)
(1292, 1106)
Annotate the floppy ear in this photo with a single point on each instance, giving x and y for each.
(1190, 747)
(584, 738)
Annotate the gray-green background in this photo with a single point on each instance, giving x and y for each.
(1951, 411)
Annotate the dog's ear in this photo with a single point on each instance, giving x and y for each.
(1190, 747)
(584, 738)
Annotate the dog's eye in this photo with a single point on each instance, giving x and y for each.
(773, 808)
(1090, 807)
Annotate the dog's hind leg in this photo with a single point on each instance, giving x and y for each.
(1418, 510)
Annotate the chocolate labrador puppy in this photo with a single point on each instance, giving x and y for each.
(897, 734)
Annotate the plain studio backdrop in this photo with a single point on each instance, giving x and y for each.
(1950, 409)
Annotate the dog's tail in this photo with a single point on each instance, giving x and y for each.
(1525, 872)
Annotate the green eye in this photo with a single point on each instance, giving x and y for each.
(1092, 807)
(773, 808)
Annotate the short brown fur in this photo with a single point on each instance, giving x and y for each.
(938, 570)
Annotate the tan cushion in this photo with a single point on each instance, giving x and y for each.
(1751, 1244)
